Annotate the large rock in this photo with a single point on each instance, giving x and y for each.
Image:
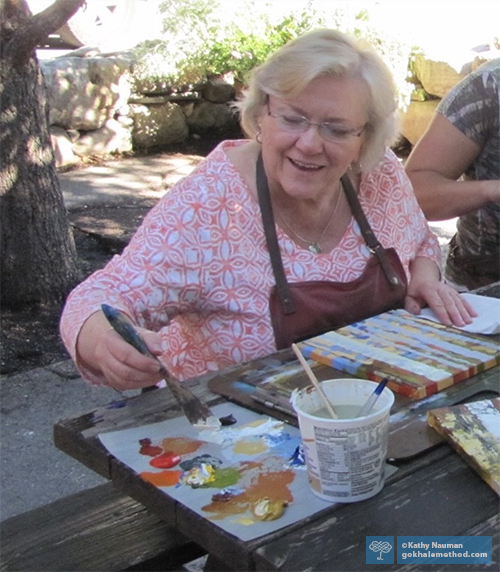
(213, 118)
(439, 72)
(62, 144)
(416, 118)
(112, 137)
(218, 91)
(83, 93)
(157, 125)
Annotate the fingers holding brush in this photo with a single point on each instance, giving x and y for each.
(113, 361)
(124, 366)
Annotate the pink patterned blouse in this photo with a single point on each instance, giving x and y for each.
(200, 261)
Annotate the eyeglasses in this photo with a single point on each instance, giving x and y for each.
(333, 132)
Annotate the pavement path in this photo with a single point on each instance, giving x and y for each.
(33, 471)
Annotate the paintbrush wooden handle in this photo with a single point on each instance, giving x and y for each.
(314, 381)
(195, 410)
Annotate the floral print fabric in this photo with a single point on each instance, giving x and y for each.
(198, 269)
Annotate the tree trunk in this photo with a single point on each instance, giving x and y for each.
(38, 255)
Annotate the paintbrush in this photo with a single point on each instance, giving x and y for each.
(314, 381)
(368, 406)
(197, 412)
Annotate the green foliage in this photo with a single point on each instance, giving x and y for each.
(220, 38)
(237, 51)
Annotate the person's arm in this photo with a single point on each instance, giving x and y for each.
(440, 157)
(100, 350)
(426, 289)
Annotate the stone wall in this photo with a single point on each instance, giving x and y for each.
(96, 107)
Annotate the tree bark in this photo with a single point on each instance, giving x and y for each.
(38, 255)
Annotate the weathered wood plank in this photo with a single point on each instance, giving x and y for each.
(447, 498)
(490, 527)
(97, 529)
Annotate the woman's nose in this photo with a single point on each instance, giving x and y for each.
(310, 139)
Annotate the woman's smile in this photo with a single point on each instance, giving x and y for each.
(310, 141)
(303, 166)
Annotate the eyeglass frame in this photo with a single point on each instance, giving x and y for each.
(305, 124)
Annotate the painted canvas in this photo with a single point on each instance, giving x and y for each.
(473, 429)
(418, 356)
(248, 478)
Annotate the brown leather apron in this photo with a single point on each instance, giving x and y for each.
(305, 309)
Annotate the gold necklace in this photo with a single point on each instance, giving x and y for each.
(315, 246)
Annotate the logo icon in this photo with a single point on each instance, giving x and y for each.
(380, 549)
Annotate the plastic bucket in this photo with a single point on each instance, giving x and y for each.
(345, 457)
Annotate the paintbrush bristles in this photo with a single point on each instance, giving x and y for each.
(197, 412)
(314, 381)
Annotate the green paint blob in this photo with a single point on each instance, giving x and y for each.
(224, 478)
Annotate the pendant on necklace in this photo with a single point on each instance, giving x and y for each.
(315, 248)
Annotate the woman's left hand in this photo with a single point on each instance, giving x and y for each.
(451, 308)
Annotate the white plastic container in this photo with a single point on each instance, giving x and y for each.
(345, 457)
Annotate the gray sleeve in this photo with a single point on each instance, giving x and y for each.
(473, 105)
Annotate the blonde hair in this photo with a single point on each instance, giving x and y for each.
(323, 52)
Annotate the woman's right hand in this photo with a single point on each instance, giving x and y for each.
(115, 361)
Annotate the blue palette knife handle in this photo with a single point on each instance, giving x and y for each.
(195, 410)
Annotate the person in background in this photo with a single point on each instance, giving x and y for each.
(307, 225)
(455, 171)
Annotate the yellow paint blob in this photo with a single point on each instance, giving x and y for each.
(250, 447)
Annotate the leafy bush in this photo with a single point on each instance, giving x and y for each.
(220, 38)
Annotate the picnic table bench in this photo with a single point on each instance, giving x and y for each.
(99, 529)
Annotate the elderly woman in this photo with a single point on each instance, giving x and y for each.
(308, 225)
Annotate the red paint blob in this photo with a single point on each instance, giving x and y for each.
(165, 460)
(148, 449)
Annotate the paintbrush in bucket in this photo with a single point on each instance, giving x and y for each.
(197, 412)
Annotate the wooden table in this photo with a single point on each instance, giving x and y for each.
(433, 492)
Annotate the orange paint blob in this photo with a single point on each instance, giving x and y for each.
(181, 445)
(162, 479)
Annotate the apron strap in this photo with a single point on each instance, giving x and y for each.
(266, 211)
(371, 240)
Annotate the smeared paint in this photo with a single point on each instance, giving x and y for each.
(228, 436)
(212, 423)
(250, 487)
(225, 477)
(162, 479)
(298, 458)
(245, 521)
(250, 446)
(181, 445)
(242, 386)
(199, 460)
(165, 461)
(227, 420)
(148, 449)
(226, 494)
(198, 476)
(258, 480)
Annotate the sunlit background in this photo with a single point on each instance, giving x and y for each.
(432, 24)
